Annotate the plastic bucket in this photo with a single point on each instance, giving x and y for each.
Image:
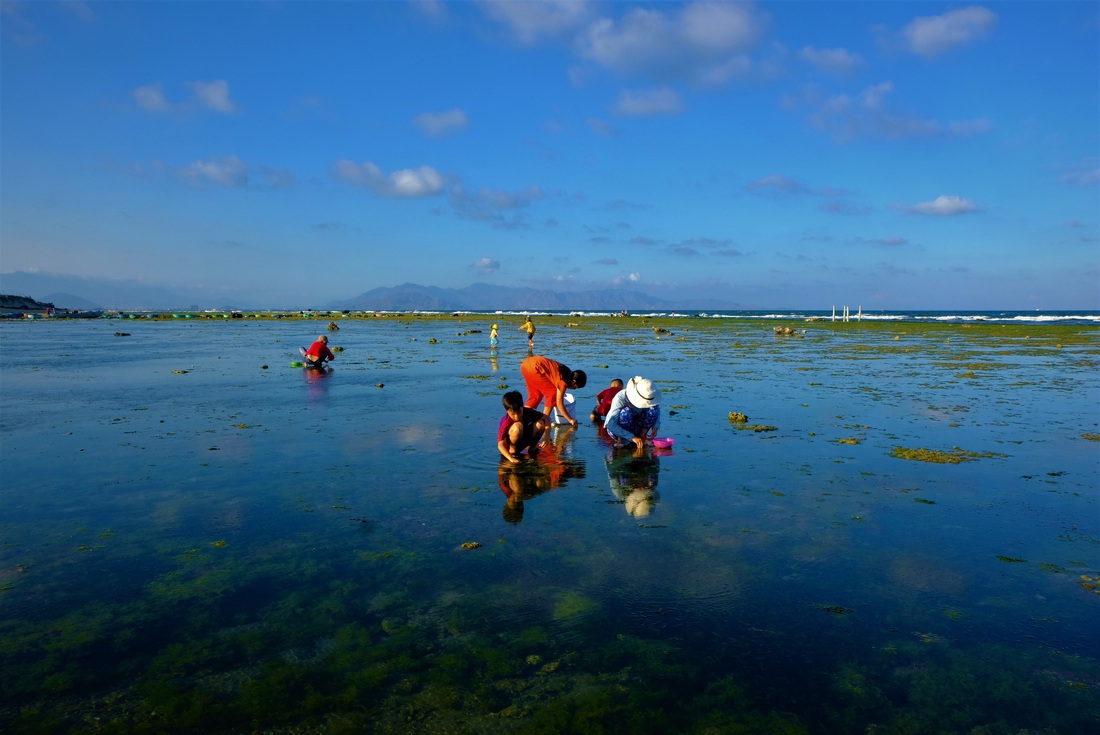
(569, 402)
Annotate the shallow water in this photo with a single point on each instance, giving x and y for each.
(191, 542)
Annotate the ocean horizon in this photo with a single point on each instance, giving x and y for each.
(887, 528)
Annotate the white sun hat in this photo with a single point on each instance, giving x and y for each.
(642, 393)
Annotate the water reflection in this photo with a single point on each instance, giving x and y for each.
(633, 474)
(547, 470)
(317, 380)
(493, 360)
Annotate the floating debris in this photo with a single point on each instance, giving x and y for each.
(179, 372)
(1090, 583)
(471, 545)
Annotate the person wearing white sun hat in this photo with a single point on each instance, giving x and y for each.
(635, 413)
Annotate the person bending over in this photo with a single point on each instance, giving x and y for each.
(635, 413)
(319, 353)
(549, 380)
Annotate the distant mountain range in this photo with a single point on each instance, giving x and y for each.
(484, 296)
(77, 292)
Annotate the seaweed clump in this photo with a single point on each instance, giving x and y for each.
(954, 456)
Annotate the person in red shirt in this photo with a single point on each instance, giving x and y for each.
(319, 353)
(548, 380)
(603, 400)
(521, 427)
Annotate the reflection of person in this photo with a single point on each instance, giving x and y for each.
(530, 327)
(633, 479)
(603, 400)
(493, 336)
(523, 481)
(521, 428)
(548, 380)
(635, 412)
(319, 353)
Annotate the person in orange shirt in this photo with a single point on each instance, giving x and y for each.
(547, 380)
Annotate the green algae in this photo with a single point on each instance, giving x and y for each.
(571, 604)
(953, 456)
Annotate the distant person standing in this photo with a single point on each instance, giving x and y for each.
(529, 326)
(493, 336)
(548, 380)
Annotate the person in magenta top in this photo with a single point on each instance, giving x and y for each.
(520, 428)
(604, 398)
(319, 353)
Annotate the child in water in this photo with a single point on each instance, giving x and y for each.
(493, 336)
(529, 326)
(520, 427)
(603, 400)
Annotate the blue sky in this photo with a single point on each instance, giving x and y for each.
(777, 155)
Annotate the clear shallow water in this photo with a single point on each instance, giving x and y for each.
(232, 548)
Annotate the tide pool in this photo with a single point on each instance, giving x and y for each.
(902, 536)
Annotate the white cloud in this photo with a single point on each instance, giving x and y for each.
(438, 124)
(933, 35)
(944, 206)
(601, 127)
(777, 184)
(228, 171)
(497, 207)
(832, 60)
(431, 9)
(209, 95)
(419, 182)
(213, 95)
(485, 266)
(871, 114)
(628, 278)
(151, 98)
(80, 9)
(530, 22)
(663, 101)
(1087, 173)
(687, 43)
